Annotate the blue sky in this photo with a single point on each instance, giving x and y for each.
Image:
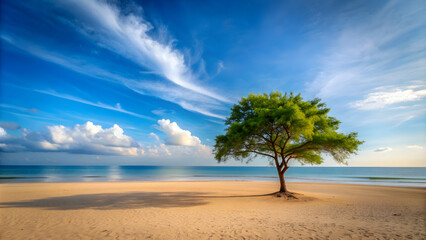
(150, 82)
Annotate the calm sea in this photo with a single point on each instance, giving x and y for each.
(411, 177)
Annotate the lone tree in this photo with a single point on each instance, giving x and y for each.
(282, 128)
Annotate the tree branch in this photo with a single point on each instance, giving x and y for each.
(288, 160)
(297, 148)
(267, 142)
(264, 138)
(251, 151)
(288, 138)
(276, 135)
(283, 163)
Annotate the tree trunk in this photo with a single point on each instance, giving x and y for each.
(283, 188)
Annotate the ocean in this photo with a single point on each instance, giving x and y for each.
(391, 176)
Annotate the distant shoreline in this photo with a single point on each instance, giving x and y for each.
(248, 166)
(212, 181)
(408, 177)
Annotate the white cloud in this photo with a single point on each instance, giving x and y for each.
(415, 147)
(85, 139)
(77, 63)
(176, 135)
(220, 67)
(381, 99)
(380, 48)
(128, 35)
(27, 113)
(155, 136)
(131, 36)
(400, 156)
(173, 151)
(93, 139)
(383, 149)
(17, 108)
(116, 108)
(158, 150)
(404, 119)
(192, 107)
(178, 95)
(162, 112)
(3, 133)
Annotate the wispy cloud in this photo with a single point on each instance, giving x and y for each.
(18, 108)
(381, 99)
(10, 125)
(78, 63)
(116, 108)
(155, 136)
(379, 47)
(220, 67)
(404, 119)
(383, 149)
(130, 36)
(415, 147)
(25, 112)
(390, 117)
(187, 100)
(163, 112)
(167, 91)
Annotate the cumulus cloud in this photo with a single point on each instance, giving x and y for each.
(164, 151)
(9, 125)
(178, 142)
(93, 139)
(176, 135)
(383, 149)
(85, 139)
(415, 147)
(381, 99)
(3, 133)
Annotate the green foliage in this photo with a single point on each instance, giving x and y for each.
(283, 127)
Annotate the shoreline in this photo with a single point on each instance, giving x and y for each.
(381, 176)
(209, 210)
(372, 184)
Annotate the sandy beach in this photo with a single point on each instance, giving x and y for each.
(209, 210)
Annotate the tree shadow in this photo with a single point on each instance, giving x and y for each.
(110, 201)
(133, 200)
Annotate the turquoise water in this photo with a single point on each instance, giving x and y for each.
(410, 177)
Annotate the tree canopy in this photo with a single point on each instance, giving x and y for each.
(283, 127)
